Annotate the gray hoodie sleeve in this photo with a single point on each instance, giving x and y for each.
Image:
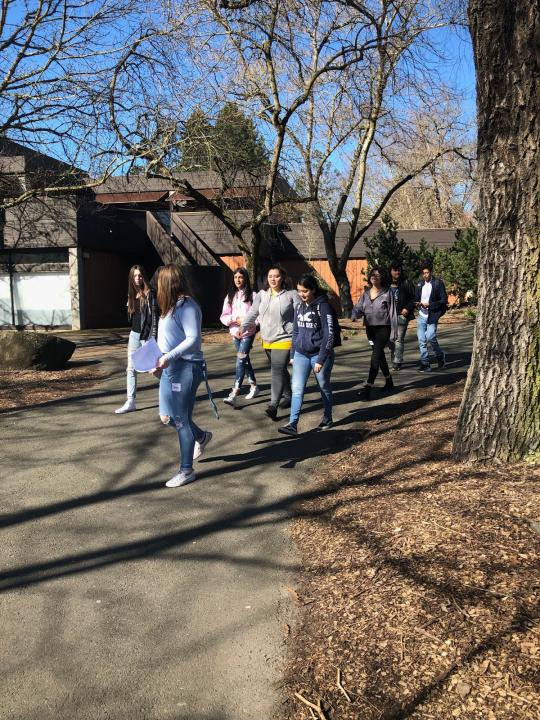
(358, 309)
(253, 313)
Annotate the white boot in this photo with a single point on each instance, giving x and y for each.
(253, 392)
(128, 406)
(231, 398)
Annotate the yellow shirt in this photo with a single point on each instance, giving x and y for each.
(278, 344)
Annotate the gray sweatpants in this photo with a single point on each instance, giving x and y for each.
(280, 379)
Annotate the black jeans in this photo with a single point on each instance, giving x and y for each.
(379, 336)
(281, 380)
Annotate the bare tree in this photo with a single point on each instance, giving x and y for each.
(444, 195)
(267, 59)
(56, 60)
(358, 126)
(500, 412)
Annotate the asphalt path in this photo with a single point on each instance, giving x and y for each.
(122, 599)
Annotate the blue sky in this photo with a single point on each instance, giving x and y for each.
(459, 71)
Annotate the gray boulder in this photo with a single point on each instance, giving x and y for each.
(22, 350)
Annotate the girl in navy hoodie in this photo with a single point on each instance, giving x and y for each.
(312, 349)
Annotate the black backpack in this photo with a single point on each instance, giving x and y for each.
(335, 324)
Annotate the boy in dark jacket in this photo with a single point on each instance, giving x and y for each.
(405, 297)
(431, 301)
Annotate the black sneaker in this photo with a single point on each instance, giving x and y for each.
(285, 403)
(288, 429)
(396, 366)
(365, 393)
(424, 368)
(389, 384)
(325, 424)
(441, 362)
(271, 411)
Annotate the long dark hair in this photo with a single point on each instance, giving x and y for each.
(310, 282)
(283, 274)
(135, 303)
(171, 286)
(247, 289)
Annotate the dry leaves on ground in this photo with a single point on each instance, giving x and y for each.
(422, 576)
(25, 388)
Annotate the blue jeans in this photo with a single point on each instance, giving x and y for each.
(243, 363)
(134, 343)
(427, 333)
(302, 367)
(177, 390)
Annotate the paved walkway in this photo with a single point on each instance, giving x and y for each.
(122, 599)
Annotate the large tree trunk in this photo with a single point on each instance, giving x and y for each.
(500, 412)
(255, 257)
(338, 268)
(345, 296)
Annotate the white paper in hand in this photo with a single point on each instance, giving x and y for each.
(146, 357)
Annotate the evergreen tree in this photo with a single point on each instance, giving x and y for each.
(423, 252)
(458, 266)
(385, 247)
(230, 145)
(197, 142)
(238, 145)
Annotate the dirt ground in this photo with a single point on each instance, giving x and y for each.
(420, 582)
(25, 388)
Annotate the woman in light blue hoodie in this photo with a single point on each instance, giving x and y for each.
(181, 368)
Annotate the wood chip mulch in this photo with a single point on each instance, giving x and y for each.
(420, 582)
(26, 388)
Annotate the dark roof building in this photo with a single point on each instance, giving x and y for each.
(78, 247)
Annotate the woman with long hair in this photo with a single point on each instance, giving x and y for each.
(236, 305)
(377, 306)
(313, 335)
(274, 308)
(180, 368)
(143, 315)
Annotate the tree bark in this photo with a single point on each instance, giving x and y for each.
(255, 259)
(499, 418)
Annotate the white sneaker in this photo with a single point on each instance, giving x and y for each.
(231, 399)
(254, 391)
(199, 446)
(184, 477)
(128, 406)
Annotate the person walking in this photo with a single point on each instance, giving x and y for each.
(143, 315)
(405, 298)
(378, 308)
(236, 305)
(274, 308)
(313, 334)
(432, 302)
(181, 368)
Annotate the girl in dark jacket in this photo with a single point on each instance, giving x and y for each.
(143, 315)
(378, 308)
(312, 349)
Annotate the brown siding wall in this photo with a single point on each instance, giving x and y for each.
(233, 261)
(355, 272)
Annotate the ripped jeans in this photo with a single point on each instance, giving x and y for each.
(177, 390)
(243, 364)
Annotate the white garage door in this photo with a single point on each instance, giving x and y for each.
(39, 299)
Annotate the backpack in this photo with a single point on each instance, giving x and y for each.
(335, 324)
